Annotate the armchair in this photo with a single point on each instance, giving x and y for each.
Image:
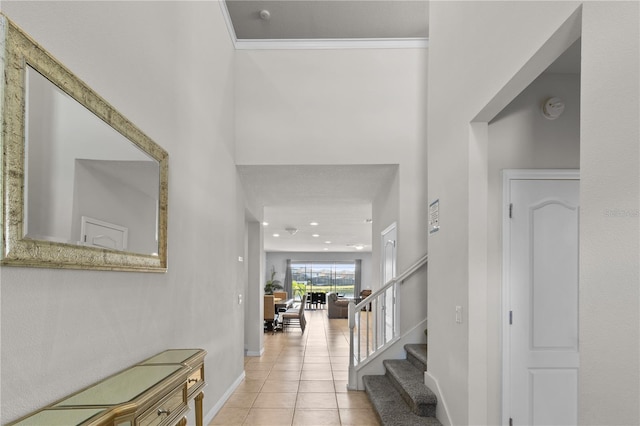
(363, 295)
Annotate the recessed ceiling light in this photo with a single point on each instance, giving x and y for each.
(276, 235)
(327, 242)
(314, 223)
(315, 235)
(326, 249)
(356, 246)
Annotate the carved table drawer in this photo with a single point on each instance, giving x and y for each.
(167, 411)
(195, 380)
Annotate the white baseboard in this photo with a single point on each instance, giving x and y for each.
(254, 353)
(442, 412)
(216, 408)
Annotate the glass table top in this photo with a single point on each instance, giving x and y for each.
(63, 417)
(122, 387)
(172, 356)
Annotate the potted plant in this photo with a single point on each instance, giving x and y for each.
(299, 290)
(272, 284)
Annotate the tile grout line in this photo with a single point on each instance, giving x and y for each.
(322, 346)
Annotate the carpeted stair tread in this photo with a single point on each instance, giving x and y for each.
(409, 382)
(391, 408)
(417, 354)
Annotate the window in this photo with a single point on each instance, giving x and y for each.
(325, 277)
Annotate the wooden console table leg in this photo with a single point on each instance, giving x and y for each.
(198, 406)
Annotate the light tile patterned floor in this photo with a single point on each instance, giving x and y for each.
(301, 379)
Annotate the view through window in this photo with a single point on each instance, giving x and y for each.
(324, 277)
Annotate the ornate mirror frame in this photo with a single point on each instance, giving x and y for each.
(17, 50)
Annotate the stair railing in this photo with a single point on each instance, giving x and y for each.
(373, 322)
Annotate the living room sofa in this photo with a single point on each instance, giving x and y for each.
(337, 307)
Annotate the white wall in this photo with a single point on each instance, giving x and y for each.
(471, 66)
(609, 243)
(168, 67)
(254, 302)
(521, 138)
(353, 106)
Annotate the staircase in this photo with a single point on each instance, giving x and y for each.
(400, 397)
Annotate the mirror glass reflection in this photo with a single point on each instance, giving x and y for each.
(85, 183)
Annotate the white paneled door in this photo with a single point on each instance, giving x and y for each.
(542, 356)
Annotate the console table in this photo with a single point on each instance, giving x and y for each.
(154, 392)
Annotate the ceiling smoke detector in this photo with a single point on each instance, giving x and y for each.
(291, 231)
(552, 108)
(265, 15)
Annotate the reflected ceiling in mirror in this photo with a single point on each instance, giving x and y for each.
(82, 186)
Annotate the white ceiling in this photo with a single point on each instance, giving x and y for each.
(569, 61)
(339, 198)
(329, 19)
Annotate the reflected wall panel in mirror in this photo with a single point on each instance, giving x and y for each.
(82, 186)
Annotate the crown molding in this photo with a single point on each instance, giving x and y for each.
(308, 44)
(352, 43)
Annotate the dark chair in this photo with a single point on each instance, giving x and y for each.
(316, 297)
(322, 299)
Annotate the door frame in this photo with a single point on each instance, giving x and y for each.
(509, 175)
(383, 245)
(384, 241)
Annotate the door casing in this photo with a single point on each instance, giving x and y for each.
(389, 247)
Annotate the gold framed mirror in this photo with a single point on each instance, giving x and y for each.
(82, 187)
